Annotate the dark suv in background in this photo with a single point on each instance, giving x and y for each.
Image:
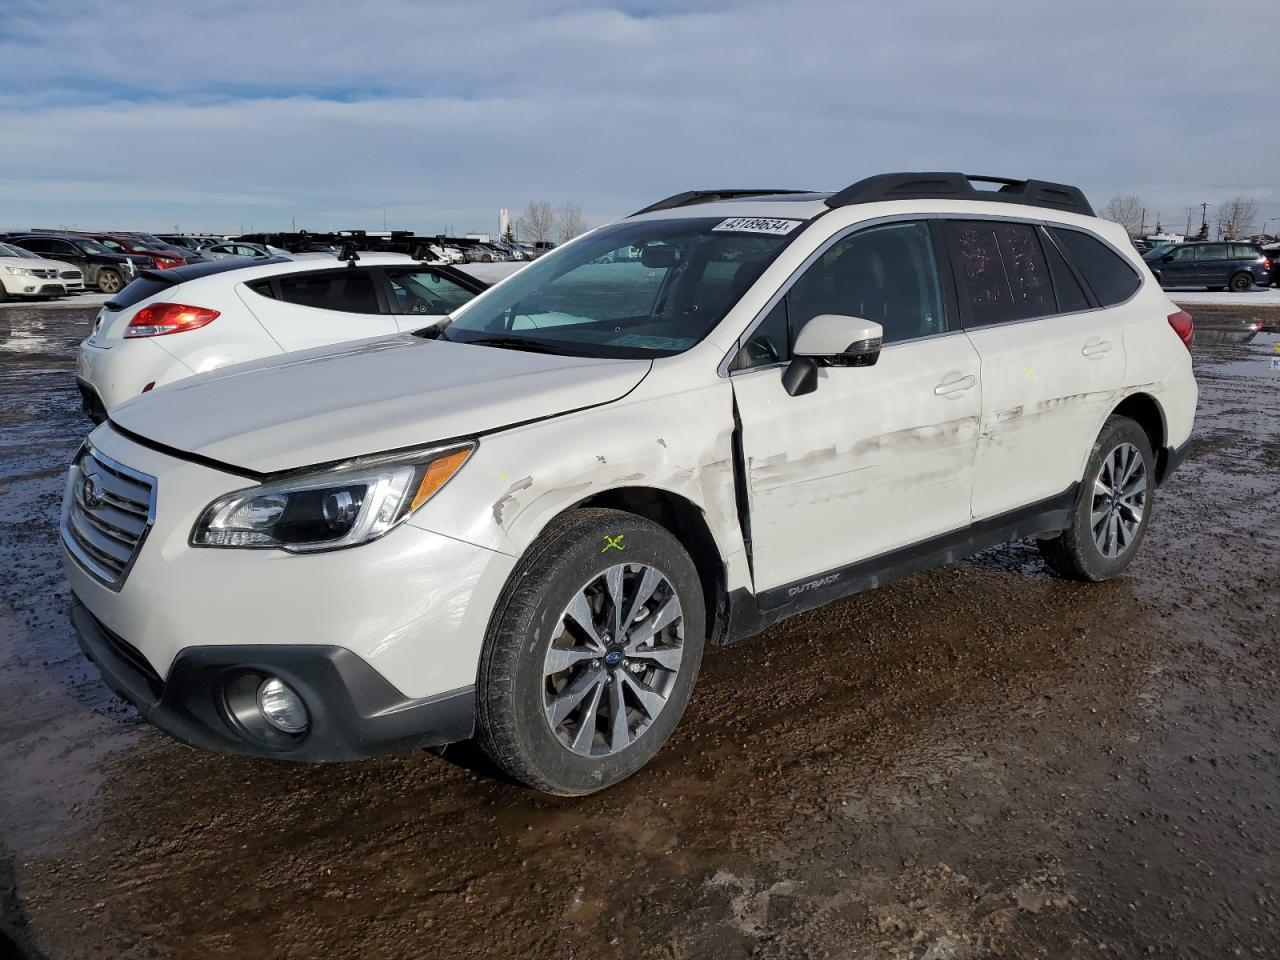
(101, 267)
(1228, 264)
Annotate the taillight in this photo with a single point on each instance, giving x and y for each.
(159, 319)
(1183, 326)
(1266, 263)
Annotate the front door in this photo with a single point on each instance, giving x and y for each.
(876, 458)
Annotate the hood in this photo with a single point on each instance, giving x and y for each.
(367, 397)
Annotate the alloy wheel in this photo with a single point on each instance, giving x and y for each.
(613, 659)
(1119, 500)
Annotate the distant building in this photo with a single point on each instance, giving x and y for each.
(504, 222)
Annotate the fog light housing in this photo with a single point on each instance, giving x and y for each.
(282, 707)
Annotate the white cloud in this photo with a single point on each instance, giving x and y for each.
(256, 113)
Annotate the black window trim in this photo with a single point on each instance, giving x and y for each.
(1142, 278)
(380, 287)
(950, 317)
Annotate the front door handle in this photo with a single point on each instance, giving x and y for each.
(1097, 349)
(953, 388)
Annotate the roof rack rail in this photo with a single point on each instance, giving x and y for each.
(960, 186)
(704, 196)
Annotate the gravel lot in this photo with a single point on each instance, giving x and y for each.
(983, 761)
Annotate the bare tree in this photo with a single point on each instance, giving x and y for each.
(538, 222)
(1125, 210)
(569, 222)
(1236, 216)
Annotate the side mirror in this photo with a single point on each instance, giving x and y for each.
(831, 340)
(1167, 258)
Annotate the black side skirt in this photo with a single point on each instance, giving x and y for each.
(751, 613)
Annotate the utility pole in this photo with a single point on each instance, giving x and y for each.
(1142, 227)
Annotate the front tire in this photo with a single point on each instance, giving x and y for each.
(591, 654)
(1113, 509)
(1241, 282)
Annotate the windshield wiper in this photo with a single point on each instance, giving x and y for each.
(510, 343)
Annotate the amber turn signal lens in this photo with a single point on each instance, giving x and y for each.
(437, 475)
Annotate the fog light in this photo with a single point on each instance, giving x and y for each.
(282, 707)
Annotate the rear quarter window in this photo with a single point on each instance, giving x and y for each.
(1111, 277)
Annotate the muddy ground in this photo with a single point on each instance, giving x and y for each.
(983, 761)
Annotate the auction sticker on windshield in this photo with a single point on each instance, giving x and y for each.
(758, 225)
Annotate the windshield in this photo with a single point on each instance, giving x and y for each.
(637, 289)
(91, 246)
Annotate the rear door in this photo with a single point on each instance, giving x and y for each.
(318, 307)
(419, 296)
(1213, 265)
(1051, 361)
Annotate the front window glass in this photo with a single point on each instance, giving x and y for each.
(643, 289)
(91, 246)
(426, 292)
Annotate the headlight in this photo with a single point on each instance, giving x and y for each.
(337, 508)
(20, 271)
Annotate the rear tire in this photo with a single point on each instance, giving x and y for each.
(1113, 509)
(570, 709)
(109, 281)
(1241, 282)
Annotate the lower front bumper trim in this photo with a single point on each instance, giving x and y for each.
(355, 711)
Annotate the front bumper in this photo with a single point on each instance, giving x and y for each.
(355, 713)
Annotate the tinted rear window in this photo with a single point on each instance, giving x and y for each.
(350, 291)
(1109, 275)
(137, 291)
(1071, 296)
(1000, 271)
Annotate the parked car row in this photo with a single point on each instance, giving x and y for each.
(521, 517)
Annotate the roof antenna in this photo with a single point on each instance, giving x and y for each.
(349, 253)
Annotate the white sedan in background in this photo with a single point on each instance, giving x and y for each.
(171, 324)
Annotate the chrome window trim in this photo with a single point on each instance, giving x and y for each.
(723, 369)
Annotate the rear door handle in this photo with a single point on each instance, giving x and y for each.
(1097, 348)
(951, 388)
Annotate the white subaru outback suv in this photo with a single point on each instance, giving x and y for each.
(525, 525)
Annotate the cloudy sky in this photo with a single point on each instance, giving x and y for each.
(229, 114)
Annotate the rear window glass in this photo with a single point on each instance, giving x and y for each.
(1108, 274)
(1000, 270)
(1242, 251)
(350, 291)
(1071, 296)
(137, 291)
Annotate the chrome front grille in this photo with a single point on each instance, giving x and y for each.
(45, 273)
(106, 514)
(70, 275)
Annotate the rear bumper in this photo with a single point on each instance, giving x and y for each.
(355, 712)
(90, 402)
